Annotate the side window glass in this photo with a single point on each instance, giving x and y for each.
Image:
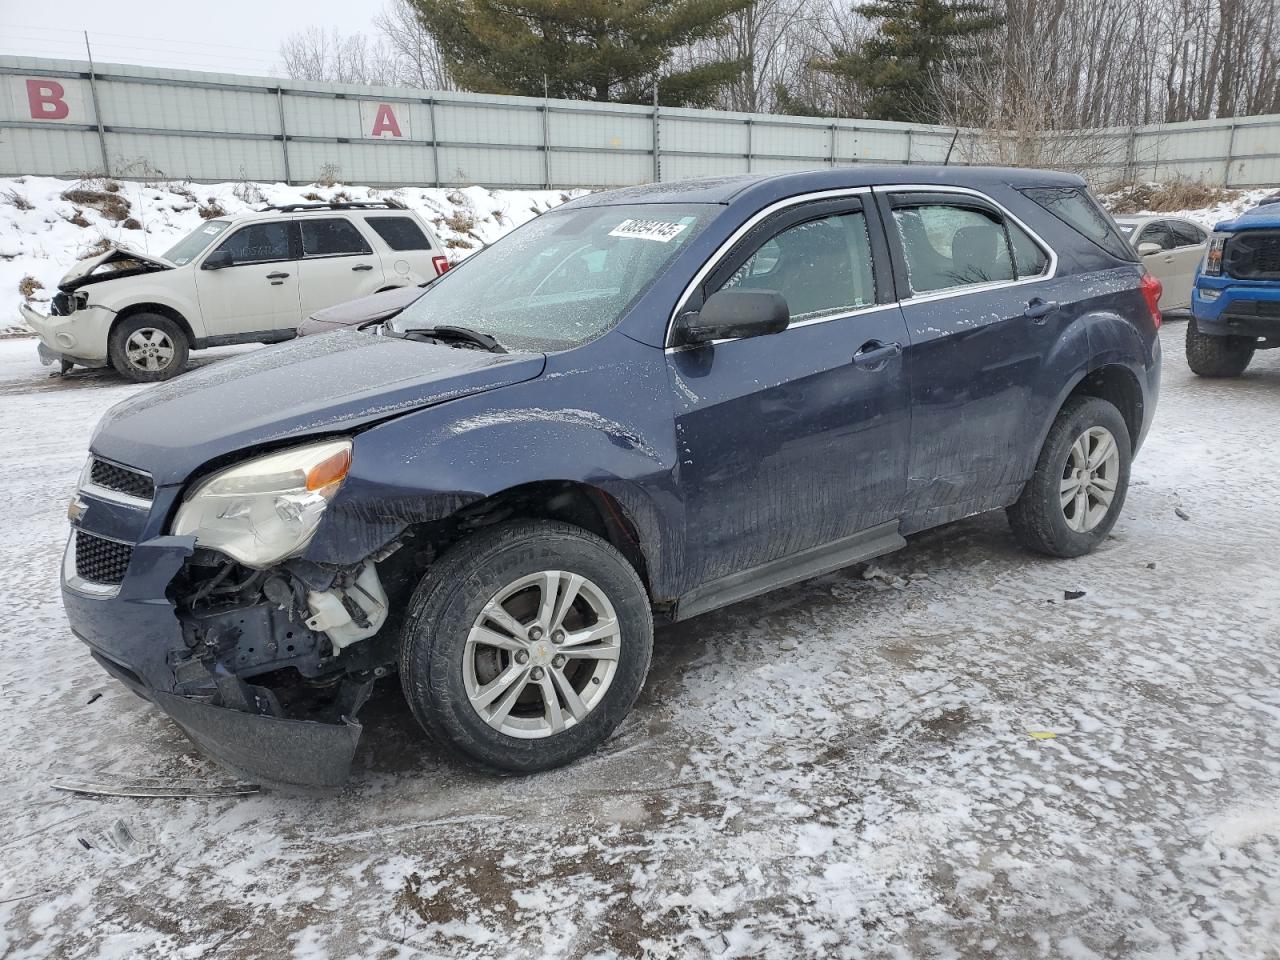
(1076, 207)
(1185, 234)
(399, 233)
(258, 243)
(1028, 256)
(952, 246)
(820, 267)
(332, 238)
(1157, 233)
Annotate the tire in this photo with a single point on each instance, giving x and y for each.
(147, 347)
(1042, 519)
(1213, 356)
(442, 667)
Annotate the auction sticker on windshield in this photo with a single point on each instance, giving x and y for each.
(661, 230)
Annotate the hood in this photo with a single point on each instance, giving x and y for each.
(128, 262)
(317, 386)
(353, 313)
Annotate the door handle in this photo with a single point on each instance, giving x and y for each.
(1038, 309)
(873, 354)
(363, 266)
(276, 276)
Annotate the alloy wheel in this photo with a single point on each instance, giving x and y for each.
(1089, 479)
(542, 654)
(149, 349)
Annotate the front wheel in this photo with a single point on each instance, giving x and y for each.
(526, 645)
(147, 347)
(1075, 495)
(1213, 356)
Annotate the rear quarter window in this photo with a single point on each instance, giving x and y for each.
(1075, 207)
(399, 233)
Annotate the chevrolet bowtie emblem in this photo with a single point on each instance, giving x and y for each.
(76, 509)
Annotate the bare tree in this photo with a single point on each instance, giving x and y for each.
(316, 54)
(418, 62)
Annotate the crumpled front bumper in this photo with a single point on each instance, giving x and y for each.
(79, 338)
(134, 634)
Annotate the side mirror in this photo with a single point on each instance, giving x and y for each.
(217, 260)
(1147, 248)
(733, 314)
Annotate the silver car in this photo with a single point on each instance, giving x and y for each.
(1171, 249)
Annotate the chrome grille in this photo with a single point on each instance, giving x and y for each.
(99, 560)
(111, 476)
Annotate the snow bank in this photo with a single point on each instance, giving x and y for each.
(1239, 201)
(43, 232)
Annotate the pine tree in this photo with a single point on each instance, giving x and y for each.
(900, 67)
(603, 50)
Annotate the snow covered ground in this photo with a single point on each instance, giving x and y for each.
(43, 232)
(936, 756)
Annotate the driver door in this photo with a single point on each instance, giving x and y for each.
(792, 441)
(258, 292)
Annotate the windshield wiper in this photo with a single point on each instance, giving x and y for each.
(453, 337)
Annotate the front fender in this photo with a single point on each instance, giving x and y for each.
(174, 289)
(428, 464)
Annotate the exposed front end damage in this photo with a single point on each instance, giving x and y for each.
(265, 670)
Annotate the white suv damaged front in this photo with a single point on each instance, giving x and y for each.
(81, 312)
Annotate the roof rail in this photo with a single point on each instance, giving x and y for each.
(388, 204)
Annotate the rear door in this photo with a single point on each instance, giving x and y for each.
(408, 255)
(338, 264)
(794, 440)
(981, 321)
(258, 293)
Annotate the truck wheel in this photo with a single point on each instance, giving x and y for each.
(1210, 356)
(1075, 495)
(526, 645)
(147, 347)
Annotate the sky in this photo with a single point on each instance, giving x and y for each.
(232, 36)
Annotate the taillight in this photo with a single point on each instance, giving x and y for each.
(441, 265)
(1151, 290)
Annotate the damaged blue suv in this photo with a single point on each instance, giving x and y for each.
(639, 407)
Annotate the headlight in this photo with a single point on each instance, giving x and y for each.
(268, 508)
(1213, 255)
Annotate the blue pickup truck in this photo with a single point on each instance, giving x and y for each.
(1236, 303)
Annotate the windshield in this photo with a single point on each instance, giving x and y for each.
(563, 278)
(190, 246)
(1126, 228)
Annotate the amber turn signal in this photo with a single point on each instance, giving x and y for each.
(329, 471)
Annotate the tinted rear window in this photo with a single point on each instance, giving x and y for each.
(399, 233)
(1078, 210)
(332, 238)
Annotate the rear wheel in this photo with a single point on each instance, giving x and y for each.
(1212, 356)
(1075, 495)
(526, 645)
(147, 347)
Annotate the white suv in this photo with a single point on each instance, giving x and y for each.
(246, 279)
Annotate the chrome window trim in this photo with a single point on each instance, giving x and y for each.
(1049, 273)
(723, 250)
(873, 308)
